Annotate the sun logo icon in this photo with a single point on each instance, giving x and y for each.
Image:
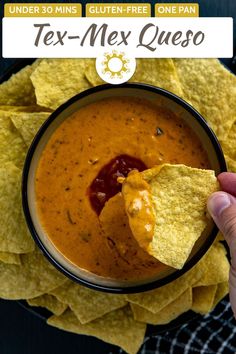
(115, 64)
(115, 67)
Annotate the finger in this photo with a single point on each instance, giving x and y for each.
(228, 182)
(222, 207)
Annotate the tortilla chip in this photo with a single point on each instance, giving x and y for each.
(28, 124)
(10, 258)
(18, 90)
(229, 144)
(91, 74)
(155, 300)
(215, 266)
(221, 291)
(57, 80)
(219, 237)
(177, 195)
(157, 72)
(12, 146)
(117, 327)
(14, 234)
(211, 89)
(35, 276)
(231, 164)
(29, 109)
(50, 302)
(88, 304)
(203, 298)
(180, 305)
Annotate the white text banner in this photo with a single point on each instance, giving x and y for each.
(42, 37)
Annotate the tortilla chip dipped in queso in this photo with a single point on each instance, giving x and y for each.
(166, 207)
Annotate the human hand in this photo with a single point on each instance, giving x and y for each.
(222, 207)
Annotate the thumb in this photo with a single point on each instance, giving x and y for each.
(222, 207)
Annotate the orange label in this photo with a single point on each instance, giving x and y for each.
(43, 10)
(116, 10)
(177, 10)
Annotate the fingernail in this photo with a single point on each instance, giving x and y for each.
(217, 202)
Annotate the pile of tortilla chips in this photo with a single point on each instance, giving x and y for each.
(26, 101)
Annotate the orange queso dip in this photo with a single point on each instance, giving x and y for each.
(77, 194)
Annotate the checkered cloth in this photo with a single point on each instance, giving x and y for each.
(214, 333)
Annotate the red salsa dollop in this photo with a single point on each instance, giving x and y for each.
(105, 185)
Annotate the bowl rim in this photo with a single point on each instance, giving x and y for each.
(153, 284)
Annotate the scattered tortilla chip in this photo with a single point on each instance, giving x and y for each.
(10, 258)
(117, 327)
(176, 195)
(50, 302)
(219, 237)
(157, 72)
(199, 79)
(203, 298)
(29, 109)
(28, 124)
(35, 276)
(231, 164)
(155, 300)
(215, 266)
(88, 304)
(57, 80)
(221, 291)
(14, 234)
(18, 90)
(180, 305)
(92, 75)
(229, 144)
(12, 146)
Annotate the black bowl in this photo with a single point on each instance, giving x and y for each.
(156, 96)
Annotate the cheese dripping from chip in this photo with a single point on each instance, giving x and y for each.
(166, 207)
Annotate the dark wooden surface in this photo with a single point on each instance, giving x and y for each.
(22, 332)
